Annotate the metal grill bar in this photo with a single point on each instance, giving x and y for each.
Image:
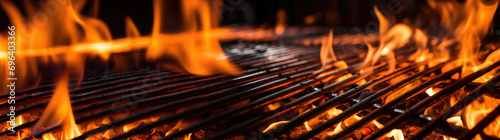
(476, 93)
(421, 106)
(388, 106)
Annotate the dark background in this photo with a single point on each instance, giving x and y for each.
(331, 13)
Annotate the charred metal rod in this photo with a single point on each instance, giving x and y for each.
(482, 124)
(365, 102)
(264, 101)
(388, 106)
(476, 93)
(213, 87)
(279, 52)
(292, 105)
(421, 106)
(211, 105)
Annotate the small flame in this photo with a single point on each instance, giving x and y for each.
(327, 54)
(273, 106)
(59, 111)
(133, 125)
(396, 133)
(274, 125)
(457, 120)
(48, 136)
(308, 128)
(280, 22)
(188, 136)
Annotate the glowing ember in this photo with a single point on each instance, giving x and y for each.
(59, 111)
(396, 133)
(457, 120)
(273, 125)
(430, 92)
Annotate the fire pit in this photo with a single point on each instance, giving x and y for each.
(433, 75)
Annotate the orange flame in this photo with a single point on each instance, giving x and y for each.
(396, 133)
(280, 22)
(327, 54)
(477, 110)
(59, 111)
(390, 39)
(470, 23)
(198, 52)
(273, 125)
(457, 120)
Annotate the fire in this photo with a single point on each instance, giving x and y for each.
(59, 111)
(391, 38)
(274, 125)
(327, 54)
(280, 22)
(68, 37)
(430, 91)
(396, 133)
(477, 110)
(133, 125)
(188, 136)
(197, 52)
(469, 23)
(351, 120)
(457, 120)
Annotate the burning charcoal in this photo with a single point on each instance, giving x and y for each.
(156, 135)
(296, 132)
(410, 130)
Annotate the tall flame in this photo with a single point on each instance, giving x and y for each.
(197, 52)
(59, 111)
(391, 38)
(327, 54)
(469, 23)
